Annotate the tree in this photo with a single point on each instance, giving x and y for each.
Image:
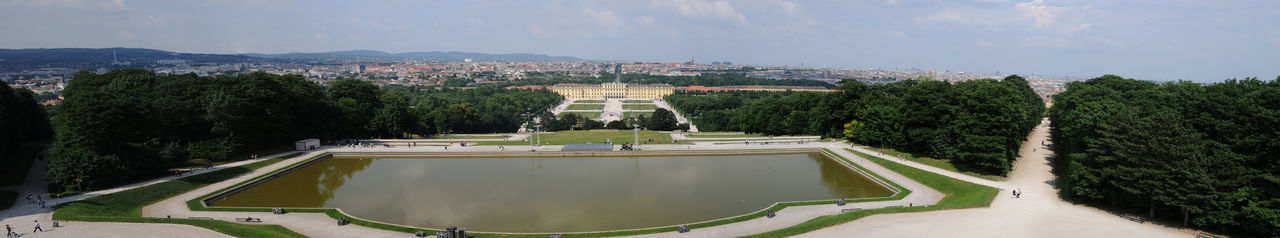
(661, 120)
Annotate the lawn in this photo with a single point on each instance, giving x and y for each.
(638, 101)
(469, 137)
(635, 114)
(126, 206)
(959, 194)
(586, 106)
(589, 101)
(591, 115)
(15, 171)
(725, 135)
(592, 136)
(639, 106)
(6, 198)
(941, 164)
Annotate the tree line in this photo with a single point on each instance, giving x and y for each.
(661, 120)
(132, 124)
(1205, 155)
(978, 123)
(21, 119)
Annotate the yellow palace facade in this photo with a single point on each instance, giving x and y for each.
(613, 90)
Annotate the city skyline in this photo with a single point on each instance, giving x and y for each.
(1151, 40)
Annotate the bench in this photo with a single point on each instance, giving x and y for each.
(200, 218)
(249, 219)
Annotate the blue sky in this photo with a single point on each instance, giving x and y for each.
(1146, 39)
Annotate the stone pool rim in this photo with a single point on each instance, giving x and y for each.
(202, 203)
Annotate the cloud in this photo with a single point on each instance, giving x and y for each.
(537, 31)
(610, 23)
(114, 5)
(897, 34)
(1051, 42)
(322, 36)
(786, 6)
(1061, 19)
(370, 24)
(125, 35)
(1102, 40)
(703, 9)
(154, 22)
(644, 20)
(475, 21)
(983, 43)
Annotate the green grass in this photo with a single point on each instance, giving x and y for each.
(469, 137)
(15, 171)
(589, 115)
(639, 106)
(591, 136)
(959, 194)
(7, 198)
(589, 101)
(637, 101)
(726, 136)
(126, 206)
(941, 164)
(585, 107)
(636, 114)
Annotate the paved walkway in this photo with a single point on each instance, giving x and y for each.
(1038, 213)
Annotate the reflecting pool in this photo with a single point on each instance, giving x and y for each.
(558, 194)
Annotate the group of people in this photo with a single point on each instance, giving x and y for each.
(10, 233)
(1017, 193)
(38, 200)
(627, 147)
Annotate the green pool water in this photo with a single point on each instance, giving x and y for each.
(561, 194)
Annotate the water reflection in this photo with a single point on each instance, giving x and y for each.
(558, 194)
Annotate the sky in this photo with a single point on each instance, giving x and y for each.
(1163, 40)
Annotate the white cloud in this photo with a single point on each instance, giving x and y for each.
(1102, 40)
(786, 6)
(475, 21)
(983, 43)
(1051, 42)
(644, 20)
(610, 23)
(537, 31)
(114, 5)
(897, 34)
(154, 22)
(370, 24)
(703, 9)
(125, 35)
(1062, 19)
(322, 36)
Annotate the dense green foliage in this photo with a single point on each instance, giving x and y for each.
(132, 124)
(1178, 150)
(126, 206)
(21, 119)
(978, 123)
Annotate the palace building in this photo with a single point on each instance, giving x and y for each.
(613, 90)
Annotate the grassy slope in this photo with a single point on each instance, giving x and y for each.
(589, 115)
(726, 136)
(585, 106)
(959, 194)
(592, 136)
(941, 164)
(639, 107)
(636, 114)
(126, 206)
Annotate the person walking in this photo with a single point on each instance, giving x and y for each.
(42, 203)
(8, 231)
(29, 200)
(37, 227)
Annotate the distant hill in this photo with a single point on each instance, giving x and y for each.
(86, 58)
(432, 55)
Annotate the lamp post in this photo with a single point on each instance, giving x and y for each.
(636, 142)
(537, 128)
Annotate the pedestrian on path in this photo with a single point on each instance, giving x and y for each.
(42, 203)
(37, 227)
(29, 200)
(8, 231)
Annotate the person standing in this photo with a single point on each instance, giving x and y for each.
(8, 231)
(42, 203)
(37, 227)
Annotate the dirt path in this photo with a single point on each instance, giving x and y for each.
(1038, 213)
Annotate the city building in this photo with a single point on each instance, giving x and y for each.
(613, 90)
